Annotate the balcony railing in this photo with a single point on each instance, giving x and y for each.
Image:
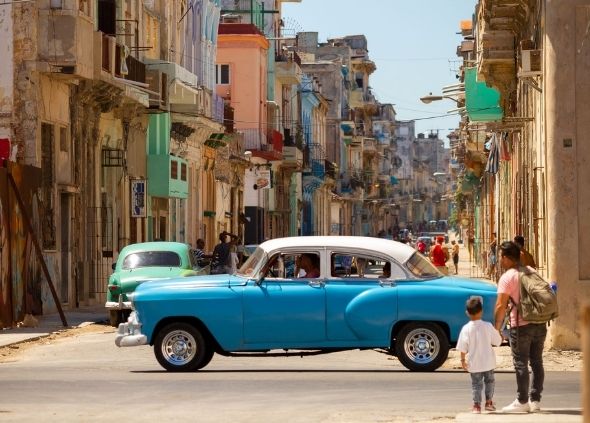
(255, 139)
(288, 56)
(314, 157)
(136, 70)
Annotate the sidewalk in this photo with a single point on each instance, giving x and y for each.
(467, 267)
(50, 323)
(549, 415)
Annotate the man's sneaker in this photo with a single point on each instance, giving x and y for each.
(490, 406)
(476, 409)
(517, 407)
(534, 406)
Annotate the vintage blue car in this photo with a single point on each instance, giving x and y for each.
(392, 299)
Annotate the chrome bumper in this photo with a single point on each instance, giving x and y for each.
(129, 334)
(118, 305)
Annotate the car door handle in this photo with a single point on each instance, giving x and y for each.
(386, 283)
(316, 284)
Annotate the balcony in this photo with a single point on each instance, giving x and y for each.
(167, 176)
(499, 24)
(269, 147)
(183, 92)
(369, 146)
(288, 68)
(292, 157)
(65, 45)
(130, 79)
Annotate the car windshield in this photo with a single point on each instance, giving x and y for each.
(151, 259)
(421, 267)
(249, 267)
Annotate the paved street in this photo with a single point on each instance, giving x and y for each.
(88, 379)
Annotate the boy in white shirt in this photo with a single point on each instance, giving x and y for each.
(475, 343)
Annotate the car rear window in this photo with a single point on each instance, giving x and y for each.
(421, 267)
(152, 259)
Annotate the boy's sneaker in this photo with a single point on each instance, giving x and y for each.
(490, 406)
(517, 407)
(534, 406)
(476, 409)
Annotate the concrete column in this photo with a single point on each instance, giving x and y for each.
(567, 95)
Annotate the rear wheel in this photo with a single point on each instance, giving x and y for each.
(180, 347)
(422, 346)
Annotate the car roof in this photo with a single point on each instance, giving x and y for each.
(399, 251)
(157, 245)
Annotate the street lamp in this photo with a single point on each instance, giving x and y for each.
(427, 99)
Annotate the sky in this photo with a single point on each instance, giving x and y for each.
(412, 42)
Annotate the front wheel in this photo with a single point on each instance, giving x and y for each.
(421, 346)
(180, 347)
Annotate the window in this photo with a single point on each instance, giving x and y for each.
(422, 267)
(183, 171)
(152, 259)
(361, 266)
(173, 169)
(47, 186)
(222, 74)
(64, 144)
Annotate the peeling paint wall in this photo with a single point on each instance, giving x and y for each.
(26, 84)
(6, 72)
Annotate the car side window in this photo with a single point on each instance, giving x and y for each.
(344, 265)
(292, 265)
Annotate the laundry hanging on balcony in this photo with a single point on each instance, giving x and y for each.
(493, 163)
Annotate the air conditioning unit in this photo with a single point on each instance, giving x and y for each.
(530, 63)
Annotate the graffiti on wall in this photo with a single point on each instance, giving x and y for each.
(20, 273)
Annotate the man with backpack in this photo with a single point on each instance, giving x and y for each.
(531, 298)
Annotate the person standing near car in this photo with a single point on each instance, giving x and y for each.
(221, 253)
(526, 339)
(439, 254)
(455, 255)
(477, 355)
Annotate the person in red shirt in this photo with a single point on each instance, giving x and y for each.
(439, 255)
(421, 246)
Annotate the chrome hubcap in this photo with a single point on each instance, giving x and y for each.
(179, 347)
(422, 345)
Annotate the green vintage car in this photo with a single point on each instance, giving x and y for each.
(147, 261)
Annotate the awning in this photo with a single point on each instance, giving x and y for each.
(482, 102)
(217, 140)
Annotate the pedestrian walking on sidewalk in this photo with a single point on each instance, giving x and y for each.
(477, 355)
(455, 254)
(526, 339)
(526, 258)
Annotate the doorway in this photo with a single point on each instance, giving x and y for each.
(65, 248)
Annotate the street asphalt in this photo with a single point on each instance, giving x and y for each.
(48, 324)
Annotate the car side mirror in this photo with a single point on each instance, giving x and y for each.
(114, 265)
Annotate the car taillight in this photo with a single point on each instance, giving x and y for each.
(113, 287)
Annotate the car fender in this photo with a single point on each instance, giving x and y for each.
(196, 299)
(371, 314)
(437, 301)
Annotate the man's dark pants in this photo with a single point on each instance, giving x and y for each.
(526, 344)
